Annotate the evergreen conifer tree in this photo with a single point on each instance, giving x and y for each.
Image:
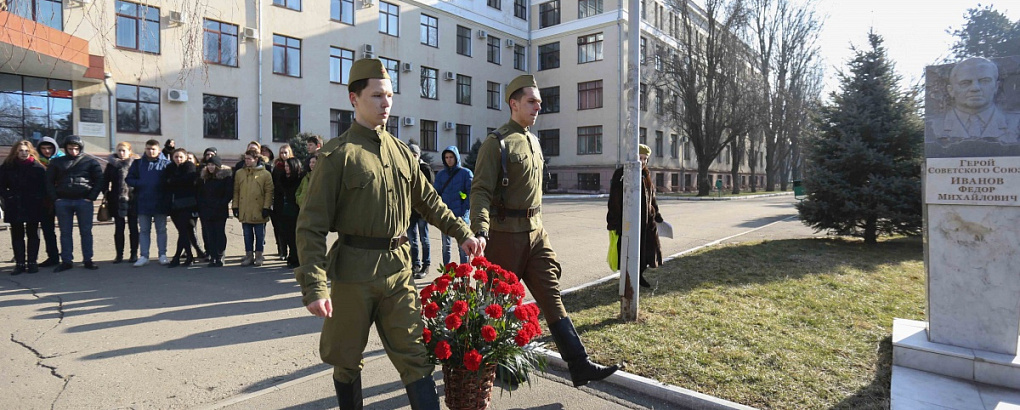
(863, 172)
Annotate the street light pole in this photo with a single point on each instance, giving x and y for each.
(630, 241)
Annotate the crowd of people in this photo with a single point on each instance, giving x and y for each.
(42, 183)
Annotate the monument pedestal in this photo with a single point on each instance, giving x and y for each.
(912, 349)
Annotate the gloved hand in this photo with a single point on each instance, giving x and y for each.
(658, 218)
(265, 212)
(237, 213)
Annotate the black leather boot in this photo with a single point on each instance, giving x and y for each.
(422, 394)
(19, 268)
(572, 351)
(348, 395)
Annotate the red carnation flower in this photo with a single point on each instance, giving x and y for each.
(426, 335)
(510, 277)
(488, 333)
(481, 276)
(431, 310)
(442, 283)
(503, 288)
(517, 290)
(453, 322)
(463, 270)
(494, 311)
(532, 328)
(443, 350)
(522, 338)
(460, 307)
(426, 293)
(451, 266)
(480, 261)
(472, 360)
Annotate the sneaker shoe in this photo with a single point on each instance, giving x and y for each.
(90, 265)
(163, 260)
(141, 262)
(419, 275)
(62, 267)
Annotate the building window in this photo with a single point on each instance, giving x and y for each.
(342, 11)
(393, 126)
(340, 61)
(290, 4)
(220, 117)
(674, 181)
(463, 89)
(220, 43)
(34, 107)
(496, 4)
(643, 97)
(548, 56)
(589, 140)
(658, 62)
(660, 180)
(658, 144)
(674, 146)
(550, 142)
(46, 12)
(137, 27)
(641, 49)
(429, 30)
(521, 9)
(588, 181)
(464, 41)
(429, 135)
(550, 100)
(658, 101)
(286, 121)
(340, 121)
(520, 61)
(687, 150)
(643, 135)
(393, 67)
(589, 95)
(494, 50)
(589, 48)
(389, 18)
(286, 55)
(464, 138)
(138, 109)
(429, 83)
(549, 14)
(492, 95)
(553, 182)
(588, 8)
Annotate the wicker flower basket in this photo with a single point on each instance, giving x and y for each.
(466, 389)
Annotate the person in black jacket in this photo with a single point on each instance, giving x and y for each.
(120, 200)
(418, 230)
(73, 182)
(22, 186)
(215, 190)
(286, 208)
(179, 184)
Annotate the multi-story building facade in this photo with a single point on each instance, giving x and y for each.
(227, 72)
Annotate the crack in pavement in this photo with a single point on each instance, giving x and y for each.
(39, 355)
(60, 305)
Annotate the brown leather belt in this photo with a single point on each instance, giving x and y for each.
(368, 242)
(523, 213)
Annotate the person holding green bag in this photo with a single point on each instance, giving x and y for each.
(651, 251)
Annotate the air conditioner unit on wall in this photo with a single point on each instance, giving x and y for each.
(449, 125)
(249, 33)
(178, 17)
(406, 67)
(450, 75)
(408, 121)
(510, 43)
(482, 34)
(368, 48)
(176, 95)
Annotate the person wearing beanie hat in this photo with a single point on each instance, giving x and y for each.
(48, 151)
(215, 191)
(364, 189)
(73, 182)
(651, 250)
(209, 152)
(506, 199)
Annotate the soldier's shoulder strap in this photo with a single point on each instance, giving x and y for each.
(500, 135)
(332, 146)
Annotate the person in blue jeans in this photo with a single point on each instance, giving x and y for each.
(453, 184)
(73, 182)
(146, 177)
(418, 230)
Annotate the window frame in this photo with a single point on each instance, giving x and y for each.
(34, 10)
(138, 105)
(295, 118)
(219, 33)
(521, 9)
(336, 122)
(550, 100)
(590, 45)
(659, 141)
(465, 145)
(429, 135)
(492, 96)
(594, 7)
(546, 53)
(591, 131)
(520, 58)
(286, 55)
(493, 53)
(550, 141)
(463, 84)
(220, 112)
(338, 6)
(496, 4)
(463, 41)
(549, 14)
(137, 18)
(594, 88)
(393, 71)
(337, 54)
(428, 30)
(287, 4)
(426, 79)
(388, 20)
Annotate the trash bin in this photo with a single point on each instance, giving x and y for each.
(798, 189)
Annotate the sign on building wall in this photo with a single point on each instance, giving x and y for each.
(90, 123)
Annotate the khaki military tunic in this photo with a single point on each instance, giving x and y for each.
(518, 244)
(365, 183)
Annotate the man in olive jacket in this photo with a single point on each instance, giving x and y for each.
(364, 186)
(506, 206)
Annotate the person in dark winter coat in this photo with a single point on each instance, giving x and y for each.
(179, 183)
(215, 191)
(146, 177)
(48, 151)
(22, 187)
(418, 231)
(651, 251)
(279, 174)
(73, 182)
(120, 200)
(453, 184)
(286, 208)
(169, 147)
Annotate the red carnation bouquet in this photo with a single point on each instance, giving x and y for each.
(474, 317)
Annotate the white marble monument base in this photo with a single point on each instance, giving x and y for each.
(912, 349)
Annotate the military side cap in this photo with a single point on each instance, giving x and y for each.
(522, 81)
(368, 68)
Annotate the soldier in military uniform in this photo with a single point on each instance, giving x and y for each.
(364, 186)
(506, 199)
